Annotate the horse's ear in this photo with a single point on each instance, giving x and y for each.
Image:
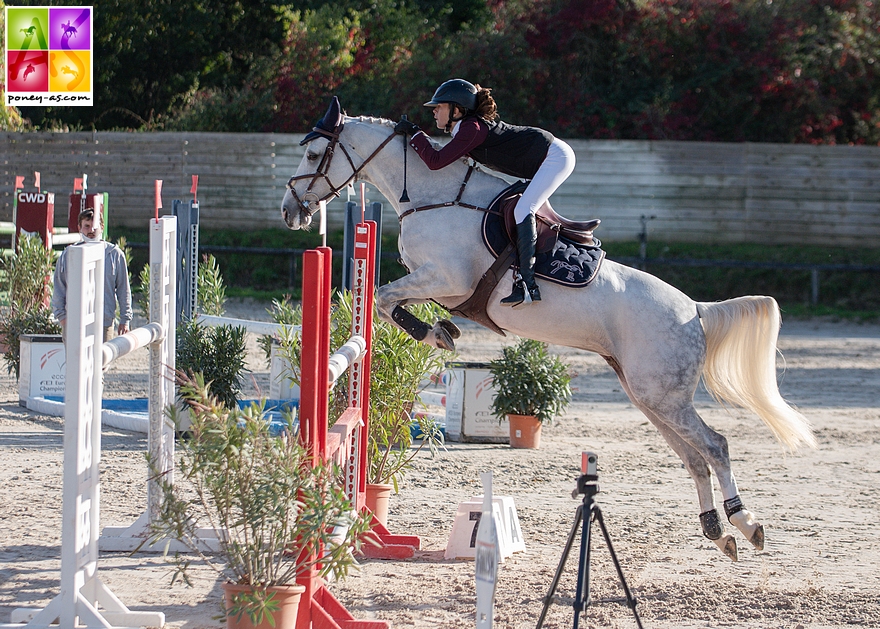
(332, 120)
(330, 123)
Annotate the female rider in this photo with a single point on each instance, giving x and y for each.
(469, 113)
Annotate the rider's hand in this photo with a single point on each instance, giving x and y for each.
(405, 127)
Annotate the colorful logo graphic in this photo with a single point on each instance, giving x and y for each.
(48, 56)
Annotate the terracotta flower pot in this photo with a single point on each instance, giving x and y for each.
(377, 499)
(525, 431)
(287, 597)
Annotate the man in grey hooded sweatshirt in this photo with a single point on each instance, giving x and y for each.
(116, 285)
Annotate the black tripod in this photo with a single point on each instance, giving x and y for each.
(588, 485)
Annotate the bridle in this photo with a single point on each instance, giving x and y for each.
(309, 203)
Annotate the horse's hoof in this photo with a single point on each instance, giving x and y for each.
(727, 544)
(442, 338)
(757, 538)
(745, 521)
(450, 327)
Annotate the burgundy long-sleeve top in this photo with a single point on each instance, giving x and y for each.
(471, 133)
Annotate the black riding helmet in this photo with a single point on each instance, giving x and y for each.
(456, 91)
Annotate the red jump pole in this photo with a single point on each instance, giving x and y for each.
(312, 388)
(390, 546)
(311, 383)
(324, 352)
(318, 608)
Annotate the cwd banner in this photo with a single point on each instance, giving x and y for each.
(48, 56)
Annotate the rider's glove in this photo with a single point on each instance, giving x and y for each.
(405, 127)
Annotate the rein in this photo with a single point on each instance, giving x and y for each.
(305, 203)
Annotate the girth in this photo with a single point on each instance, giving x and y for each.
(457, 200)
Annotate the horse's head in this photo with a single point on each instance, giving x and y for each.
(354, 142)
(318, 178)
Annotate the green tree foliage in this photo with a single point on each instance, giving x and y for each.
(746, 70)
(752, 70)
(152, 54)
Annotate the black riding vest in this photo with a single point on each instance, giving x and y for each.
(512, 150)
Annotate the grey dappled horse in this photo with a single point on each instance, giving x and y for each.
(658, 340)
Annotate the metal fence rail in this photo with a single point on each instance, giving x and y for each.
(634, 261)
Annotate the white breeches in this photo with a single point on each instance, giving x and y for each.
(555, 169)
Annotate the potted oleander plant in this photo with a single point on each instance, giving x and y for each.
(400, 367)
(26, 283)
(531, 387)
(277, 514)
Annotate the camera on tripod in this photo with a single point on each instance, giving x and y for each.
(588, 481)
(588, 487)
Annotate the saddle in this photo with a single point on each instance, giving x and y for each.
(566, 252)
(550, 224)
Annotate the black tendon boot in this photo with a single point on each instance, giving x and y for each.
(526, 238)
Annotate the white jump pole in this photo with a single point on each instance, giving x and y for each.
(160, 335)
(163, 303)
(256, 327)
(84, 601)
(353, 350)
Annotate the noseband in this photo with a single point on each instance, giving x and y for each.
(305, 203)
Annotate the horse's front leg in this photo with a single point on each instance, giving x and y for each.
(420, 286)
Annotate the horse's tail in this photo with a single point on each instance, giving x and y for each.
(740, 364)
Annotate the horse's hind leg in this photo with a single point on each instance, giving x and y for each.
(697, 467)
(701, 474)
(693, 431)
(700, 448)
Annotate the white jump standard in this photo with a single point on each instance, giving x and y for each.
(84, 600)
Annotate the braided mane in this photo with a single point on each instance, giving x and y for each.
(371, 120)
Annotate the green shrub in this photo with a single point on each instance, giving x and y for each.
(529, 381)
(284, 312)
(35, 321)
(400, 365)
(217, 353)
(28, 272)
(211, 290)
(281, 513)
(26, 280)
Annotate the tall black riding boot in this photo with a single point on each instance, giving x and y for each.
(526, 239)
